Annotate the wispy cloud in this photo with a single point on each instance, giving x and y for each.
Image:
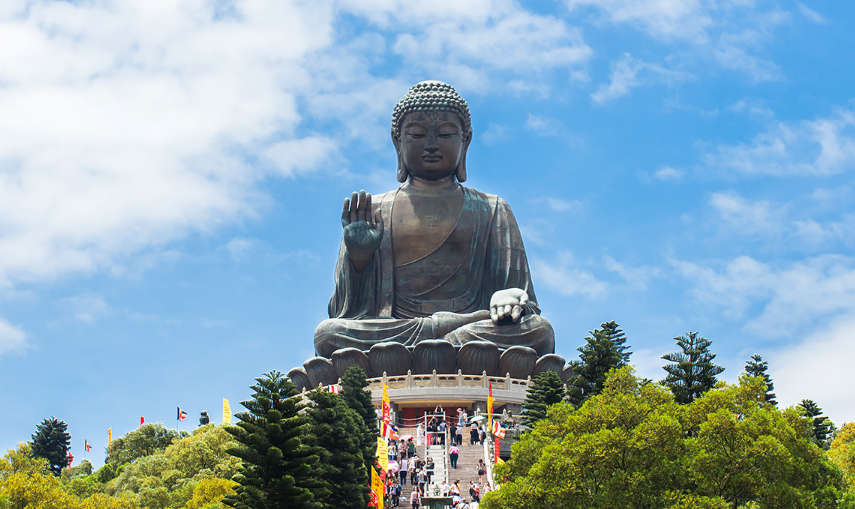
(544, 126)
(12, 338)
(667, 173)
(495, 133)
(824, 146)
(567, 278)
(728, 34)
(791, 296)
(558, 204)
(831, 346)
(628, 73)
(87, 307)
(747, 216)
(812, 14)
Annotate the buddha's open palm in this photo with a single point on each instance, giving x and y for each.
(509, 303)
(362, 233)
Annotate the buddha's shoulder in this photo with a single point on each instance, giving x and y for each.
(490, 200)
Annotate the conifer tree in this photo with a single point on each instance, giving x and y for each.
(603, 350)
(821, 423)
(545, 390)
(357, 397)
(757, 367)
(337, 431)
(278, 465)
(52, 442)
(691, 372)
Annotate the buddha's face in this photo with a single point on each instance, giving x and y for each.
(432, 144)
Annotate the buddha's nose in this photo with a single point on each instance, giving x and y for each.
(432, 143)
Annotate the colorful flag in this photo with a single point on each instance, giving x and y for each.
(142, 421)
(335, 388)
(382, 454)
(498, 430)
(86, 446)
(182, 415)
(377, 490)
(109, 436)
(490, 408)
(227, 412)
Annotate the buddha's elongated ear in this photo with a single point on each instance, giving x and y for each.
(461, 169)
(402, 172)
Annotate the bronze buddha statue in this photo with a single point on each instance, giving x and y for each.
(432, 266)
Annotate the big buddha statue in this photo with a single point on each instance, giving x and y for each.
(432, 266)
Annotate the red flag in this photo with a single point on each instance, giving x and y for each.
(497, 446)
(142, 421)
(491, 389)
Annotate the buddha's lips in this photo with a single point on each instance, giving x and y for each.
(432, 159)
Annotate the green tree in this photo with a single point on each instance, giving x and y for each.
(355, 395)
(633, 446)
(277, 464)
(337, 431)
(170, 477)
(603, 350)
(691, 372)
(545, 390)
(141, 442)
(821, 424)
(757, 367)
(51, 441)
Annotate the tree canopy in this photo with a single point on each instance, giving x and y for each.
(604, 350)
(52, 441)
(691, 372)
(545, 390)
(633, 446)
(756, 366)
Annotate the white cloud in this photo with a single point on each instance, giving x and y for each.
(87, 307)
(667, 173)
(819, 367)
(495, 133)
(12, 338)
(544, 126)
(790, 297)
(728, 32)
(628, 73)
(635, 277)
(746, 216)
(559, 205)
(824, 146)
(129, 125)
(662, 19)
(565, 278)
(812, 15)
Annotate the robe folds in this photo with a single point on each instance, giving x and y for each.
(427, 298)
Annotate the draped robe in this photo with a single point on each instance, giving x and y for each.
(423, 299)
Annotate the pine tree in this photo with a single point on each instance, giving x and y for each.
(52, 442)
(612, 332)
(545, 390)
(337, 430)
(692, 371)
(278, 465)
(355, 396)
(821, 423)
(757, 367)
(604, 350)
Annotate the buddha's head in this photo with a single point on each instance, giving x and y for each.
(431, 130)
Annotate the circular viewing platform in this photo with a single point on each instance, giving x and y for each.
(410, 389)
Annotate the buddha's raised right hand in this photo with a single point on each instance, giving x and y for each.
(362, 233)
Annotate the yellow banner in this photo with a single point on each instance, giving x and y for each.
(377, 488)
(385, 393)
(382, 454)
(227, 412)
(490, 401)
(109, 436)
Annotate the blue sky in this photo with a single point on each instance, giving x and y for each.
(171, 176)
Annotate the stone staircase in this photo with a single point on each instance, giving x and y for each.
(467, 467)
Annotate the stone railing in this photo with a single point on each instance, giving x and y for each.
(410, 381)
